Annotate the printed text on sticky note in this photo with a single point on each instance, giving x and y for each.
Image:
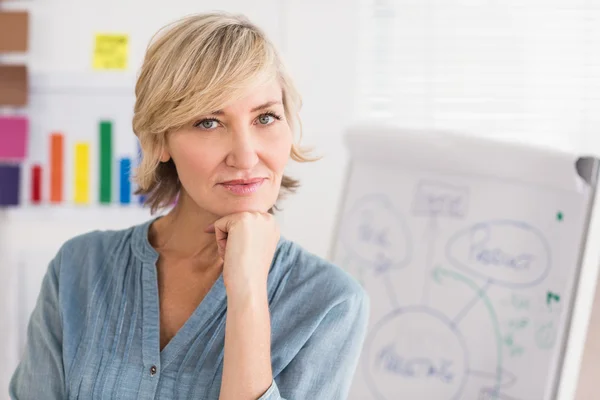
(111, 51)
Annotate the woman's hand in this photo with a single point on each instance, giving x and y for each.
(247, 242)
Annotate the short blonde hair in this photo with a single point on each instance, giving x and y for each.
(195, 66)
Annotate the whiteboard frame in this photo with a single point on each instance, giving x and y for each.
(583, 260)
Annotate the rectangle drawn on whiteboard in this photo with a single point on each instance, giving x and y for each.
(438, 199)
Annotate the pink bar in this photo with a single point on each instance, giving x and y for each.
(13, 138)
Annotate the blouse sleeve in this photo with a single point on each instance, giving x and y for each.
(324, 367)
(40, 373)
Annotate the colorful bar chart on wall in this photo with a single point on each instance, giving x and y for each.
(82, 173)
(13, 138)
(106, 160)
(125, 183)
(14, 133)
(56, 167)
(10, 176)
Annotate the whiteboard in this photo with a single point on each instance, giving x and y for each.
(470, 251)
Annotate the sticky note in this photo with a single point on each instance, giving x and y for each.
(14, 28)
(82, 173)
(10, 179)
(13, 138)
(14, 85)
(111, 52)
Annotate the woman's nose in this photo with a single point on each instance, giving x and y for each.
(243, 152)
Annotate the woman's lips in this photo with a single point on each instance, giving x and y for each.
(243, 186)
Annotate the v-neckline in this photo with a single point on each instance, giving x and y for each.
(213, 304)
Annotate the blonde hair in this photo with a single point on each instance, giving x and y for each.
(195, 66)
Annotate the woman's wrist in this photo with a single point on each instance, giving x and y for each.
(248, 295)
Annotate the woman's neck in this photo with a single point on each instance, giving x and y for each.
(180, 234)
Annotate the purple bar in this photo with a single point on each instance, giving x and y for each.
(10, 179)
(13, 138)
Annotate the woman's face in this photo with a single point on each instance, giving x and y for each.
(233, 159)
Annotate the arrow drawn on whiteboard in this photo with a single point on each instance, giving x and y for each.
(464, 311)
(440, 275)
(508, 378)
(491, 394)
(434, 200)
(382, 269)
(429, 238)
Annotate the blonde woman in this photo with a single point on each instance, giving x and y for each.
(207, 301)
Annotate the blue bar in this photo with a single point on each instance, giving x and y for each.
(10, 184)
(125, 186)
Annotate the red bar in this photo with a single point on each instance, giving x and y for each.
(56, 167)
(36, 184)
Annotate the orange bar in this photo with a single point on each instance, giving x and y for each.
(56, 167)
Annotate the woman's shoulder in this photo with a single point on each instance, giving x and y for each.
(310, 274)
(87, 251)
(93, 242)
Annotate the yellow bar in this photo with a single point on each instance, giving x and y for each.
(82, 173)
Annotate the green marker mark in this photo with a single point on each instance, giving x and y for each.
(439, 274)
(518, 324)
(545, 335)
(519, 302)
(552, 297)
(559, 216)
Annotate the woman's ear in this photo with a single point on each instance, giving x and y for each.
(164, 154)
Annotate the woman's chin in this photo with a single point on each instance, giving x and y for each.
(239, 207)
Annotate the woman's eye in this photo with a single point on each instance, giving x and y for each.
(265, 119)
(207, 124)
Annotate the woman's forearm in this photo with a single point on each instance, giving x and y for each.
(247, 370)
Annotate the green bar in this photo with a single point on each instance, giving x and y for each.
(105, 161)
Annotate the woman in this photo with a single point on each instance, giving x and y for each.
(208, 301)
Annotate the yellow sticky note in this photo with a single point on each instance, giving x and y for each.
(111, 51)
(81, 179)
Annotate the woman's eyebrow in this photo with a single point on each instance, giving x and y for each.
(257, 108)
(266, 105)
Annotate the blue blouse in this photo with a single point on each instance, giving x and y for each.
(94, 332)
